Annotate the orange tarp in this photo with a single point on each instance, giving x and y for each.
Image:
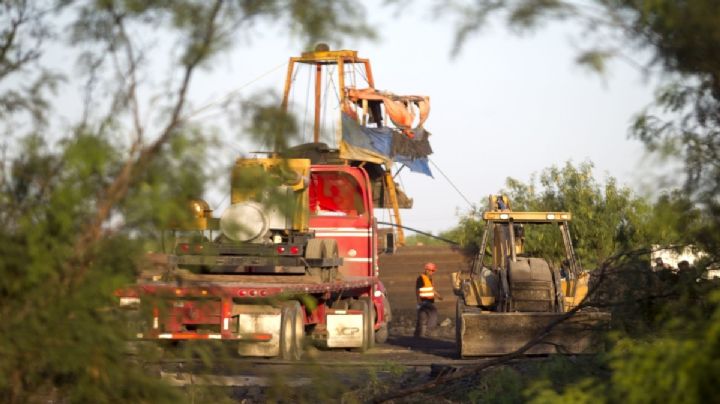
(398, 107)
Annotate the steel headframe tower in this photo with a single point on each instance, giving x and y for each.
(321, 58)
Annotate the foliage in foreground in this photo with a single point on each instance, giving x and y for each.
(676, 363)
(62, 335)
(82, 198)
(666, 346)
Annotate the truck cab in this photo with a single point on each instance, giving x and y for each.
(341, 209)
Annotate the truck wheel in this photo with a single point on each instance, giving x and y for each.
(366, 334)
(372, 318)
(314, 250)
(342, 304)
(381, 335)
(288, 349)
(298, 329)
(329, 250)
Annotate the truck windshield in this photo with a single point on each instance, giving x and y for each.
(335, 194)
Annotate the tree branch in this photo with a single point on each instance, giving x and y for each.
(118, 189)
(132, 77)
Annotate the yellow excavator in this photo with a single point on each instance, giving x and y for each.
(515, 298)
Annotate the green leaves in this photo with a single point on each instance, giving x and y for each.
(79, 203)
(605, 216)
(595, 59)
(326, 20)
(665, 369)
(530, 13)
(266, 123)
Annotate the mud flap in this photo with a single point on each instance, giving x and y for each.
(252, 319)
(346, 329)
(490, 333)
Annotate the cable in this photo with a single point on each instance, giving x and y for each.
(231, 94)
(363, 73)
(420, 232)
(217, 205)
(451, 184)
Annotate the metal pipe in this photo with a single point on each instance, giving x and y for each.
(286, 92)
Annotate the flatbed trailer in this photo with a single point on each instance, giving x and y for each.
(313, 281)
(220, 307)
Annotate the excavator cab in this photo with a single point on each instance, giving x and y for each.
(517, 298)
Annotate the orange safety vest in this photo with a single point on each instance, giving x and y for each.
(426, 292)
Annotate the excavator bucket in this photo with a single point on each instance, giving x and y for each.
(483, 333)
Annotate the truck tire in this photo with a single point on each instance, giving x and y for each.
(370, 326)
(329, 249)
(298, 329)
(381, 335)
(368, 332)
(387, 309)
(342, 304)
(288, 348)
(362, 306)
(313, 250)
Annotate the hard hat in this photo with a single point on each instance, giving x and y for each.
(430, 266)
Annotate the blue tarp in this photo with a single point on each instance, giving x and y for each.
(418, 165)
(379, 140)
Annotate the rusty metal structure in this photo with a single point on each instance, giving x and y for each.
(366, 117)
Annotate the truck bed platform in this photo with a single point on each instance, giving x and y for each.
(250, 285)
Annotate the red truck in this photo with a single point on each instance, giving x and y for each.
(294, 258)
(272, 280)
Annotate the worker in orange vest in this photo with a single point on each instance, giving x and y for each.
(426, 295)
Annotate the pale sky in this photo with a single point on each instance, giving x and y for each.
(506, 106)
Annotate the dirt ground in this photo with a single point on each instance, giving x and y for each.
(399, 271)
